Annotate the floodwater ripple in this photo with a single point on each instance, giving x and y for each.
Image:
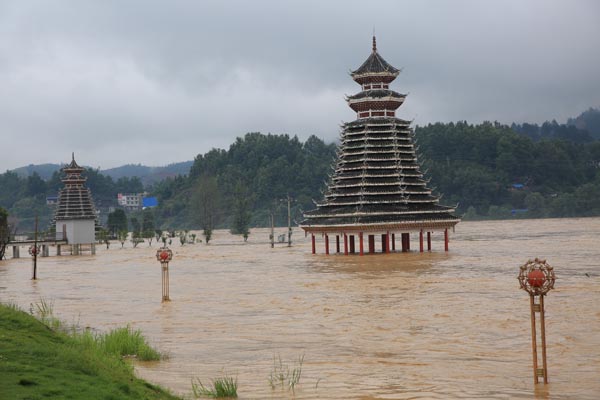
(399, 326)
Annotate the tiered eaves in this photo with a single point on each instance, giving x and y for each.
(377, 186)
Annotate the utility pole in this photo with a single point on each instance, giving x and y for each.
(272, 231)
(35, 249)
(289, 200)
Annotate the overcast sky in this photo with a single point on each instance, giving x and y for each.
(156, 82)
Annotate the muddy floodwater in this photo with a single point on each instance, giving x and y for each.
(399, 326)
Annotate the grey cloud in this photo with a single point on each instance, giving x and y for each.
(157, 82)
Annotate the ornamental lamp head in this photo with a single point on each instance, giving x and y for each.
(536, 277)
(164, 255)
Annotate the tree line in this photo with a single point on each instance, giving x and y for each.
(492, 171)
(25, 197)
(488, 170)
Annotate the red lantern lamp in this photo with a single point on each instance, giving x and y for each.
(536, 278)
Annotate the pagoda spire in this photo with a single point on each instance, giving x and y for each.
(374, 44)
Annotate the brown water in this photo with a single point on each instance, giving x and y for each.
(400, 326)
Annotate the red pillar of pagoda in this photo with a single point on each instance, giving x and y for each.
(446, 239)
(312, 238)
(404, 242)
(428, 241)
(360, 243)
(345, 244)
(337, 243)
(371, 243)
(326, 244)
(387, 242)
(421, 240)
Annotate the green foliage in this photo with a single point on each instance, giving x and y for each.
(284, 376)
(4, 231)
(127, 342)
(122, 237)
(267, 167)
(220, 387)
(241, 211)
(589, 121)
(491, 171)
(25, 197)
(117, 221)
(183, 237)
(37, 362)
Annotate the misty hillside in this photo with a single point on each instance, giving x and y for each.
(148, 175)
(588, 121)
(45, 171)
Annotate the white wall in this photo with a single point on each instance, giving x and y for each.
(78, 231)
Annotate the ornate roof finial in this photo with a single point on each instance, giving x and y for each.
(73, 156)
(374, 44)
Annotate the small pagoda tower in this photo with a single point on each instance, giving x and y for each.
(377, 188)
(75, 215)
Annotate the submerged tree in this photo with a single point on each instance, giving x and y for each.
(241, 211)
(103, 237)
(122, 237)
(4, 231)
(148, 225)
(205, 204)
(117, 221)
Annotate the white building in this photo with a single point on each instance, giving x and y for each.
(75, 215)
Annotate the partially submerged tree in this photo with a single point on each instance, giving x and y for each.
(122, 237)
(183, 237)
(4, 231)
(148, 225)
(205, 204)
(103, 237)
(241, 211)
(117, 221)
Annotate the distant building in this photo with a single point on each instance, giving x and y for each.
(75, 215)
(52, 200)
(131, 201)
(148, 202)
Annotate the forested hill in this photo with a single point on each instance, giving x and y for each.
(488, 170)
(256, 174)
(147, 175)
(492, 171)
(588, 121)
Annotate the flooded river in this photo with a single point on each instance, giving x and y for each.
(398, 326)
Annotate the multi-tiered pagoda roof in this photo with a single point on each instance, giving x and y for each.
(377, 184)
(74, 200)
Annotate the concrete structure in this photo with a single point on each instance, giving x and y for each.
(75, 216)
(131, 201)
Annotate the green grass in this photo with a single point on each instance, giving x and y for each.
(39, 361)
(284, 376)
(221, 387)
(125, 342)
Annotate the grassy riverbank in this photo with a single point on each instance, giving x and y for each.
(38, 362)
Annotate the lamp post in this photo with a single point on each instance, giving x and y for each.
(34, 250)
(537, 278)
(164, 255)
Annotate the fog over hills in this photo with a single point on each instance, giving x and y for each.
(148, 175)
